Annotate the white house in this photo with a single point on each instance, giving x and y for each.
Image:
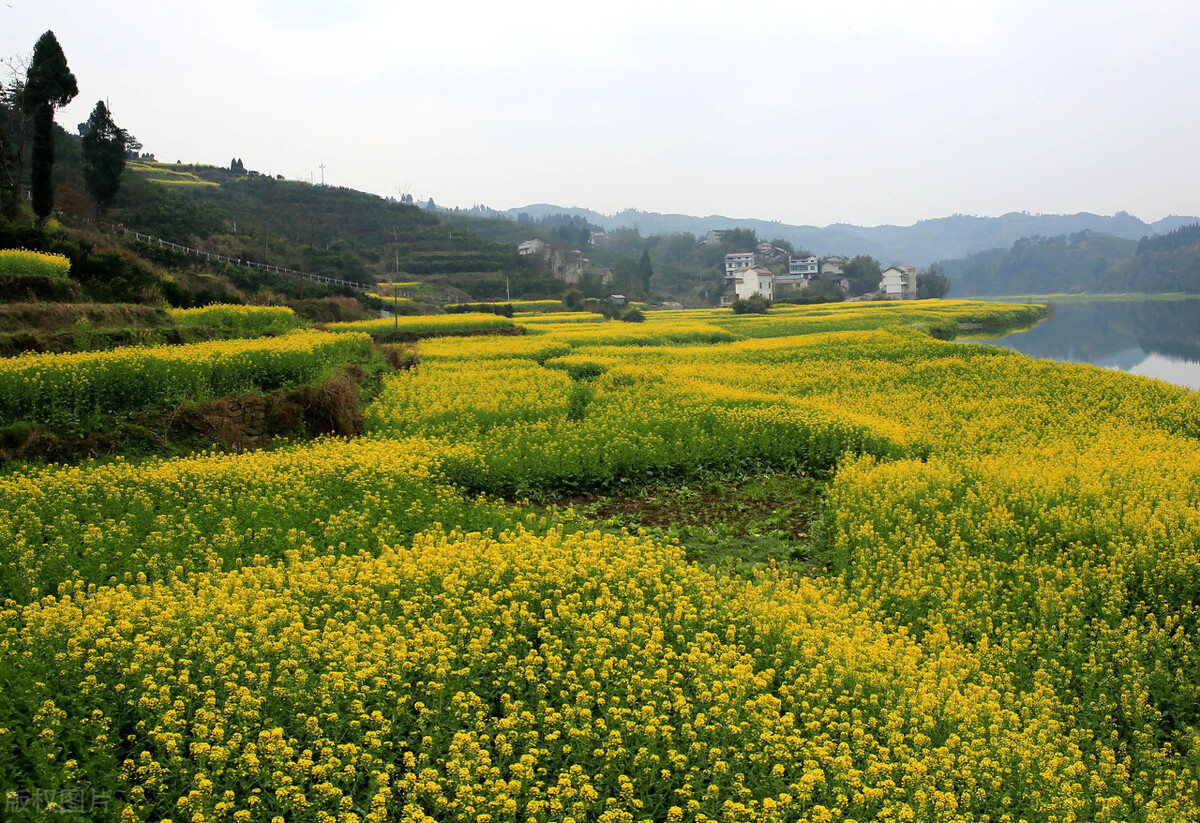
(899, 283)
(806, 266)
(752, 281)
(533, 246)
(736, 261)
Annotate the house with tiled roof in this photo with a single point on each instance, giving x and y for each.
(899, 283)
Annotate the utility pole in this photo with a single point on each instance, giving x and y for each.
(322, 175)
(395, 306)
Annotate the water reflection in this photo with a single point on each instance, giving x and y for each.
(1154, 338)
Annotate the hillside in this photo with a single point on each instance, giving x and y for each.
(326, 230)
(1083, 262)
(242, 214)
(471, 254)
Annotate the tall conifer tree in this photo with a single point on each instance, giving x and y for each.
(49, 85)
(104, 148)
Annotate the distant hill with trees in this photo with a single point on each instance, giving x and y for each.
(1082, 262)
(919, 244)
(354, 236)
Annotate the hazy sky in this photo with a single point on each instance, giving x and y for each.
(858, 111)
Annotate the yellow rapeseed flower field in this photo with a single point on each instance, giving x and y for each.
(65, 388)
(353, 631)
(425, 324)
(253, 320)
(24, 261)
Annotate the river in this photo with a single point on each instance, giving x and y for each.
(1151, 337)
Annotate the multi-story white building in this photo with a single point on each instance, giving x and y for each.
(899, 283)
(736, 261)
(807, 266)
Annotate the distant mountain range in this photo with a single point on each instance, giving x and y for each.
(925, 242)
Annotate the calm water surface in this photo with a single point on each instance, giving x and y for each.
(1154, 338)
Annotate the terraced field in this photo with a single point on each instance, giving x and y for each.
(987, 613)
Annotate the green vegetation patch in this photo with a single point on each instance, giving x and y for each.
(738, 523)
(426, 325)
(251, 320)
(166, 174)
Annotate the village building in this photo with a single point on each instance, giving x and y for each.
(790, 283)
(533, 246)
(737, 261)
(834, 265)
(569, 266)
(754, 280)
(809, 266)
(899, 283)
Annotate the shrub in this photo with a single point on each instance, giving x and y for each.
(251, 320)
(754, 304)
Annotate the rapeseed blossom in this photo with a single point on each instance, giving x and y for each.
(26, 262)
(347, 631)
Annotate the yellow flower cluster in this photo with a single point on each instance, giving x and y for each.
(556, 317)
(340, 631)
(536, 678)
(944, 317)
(503, 392)
(65, 388)
(24, 261)
(168, 174)
(70, 529)
(386, 295)
(425, 324)
(653, 332)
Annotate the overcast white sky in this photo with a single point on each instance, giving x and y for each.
(857, 111)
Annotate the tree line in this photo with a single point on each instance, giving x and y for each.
(27, 107)
(1084, 261)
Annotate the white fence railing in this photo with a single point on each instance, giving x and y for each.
(221, 258)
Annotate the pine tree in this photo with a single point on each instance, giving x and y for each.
(49, 85)
(103, 157)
